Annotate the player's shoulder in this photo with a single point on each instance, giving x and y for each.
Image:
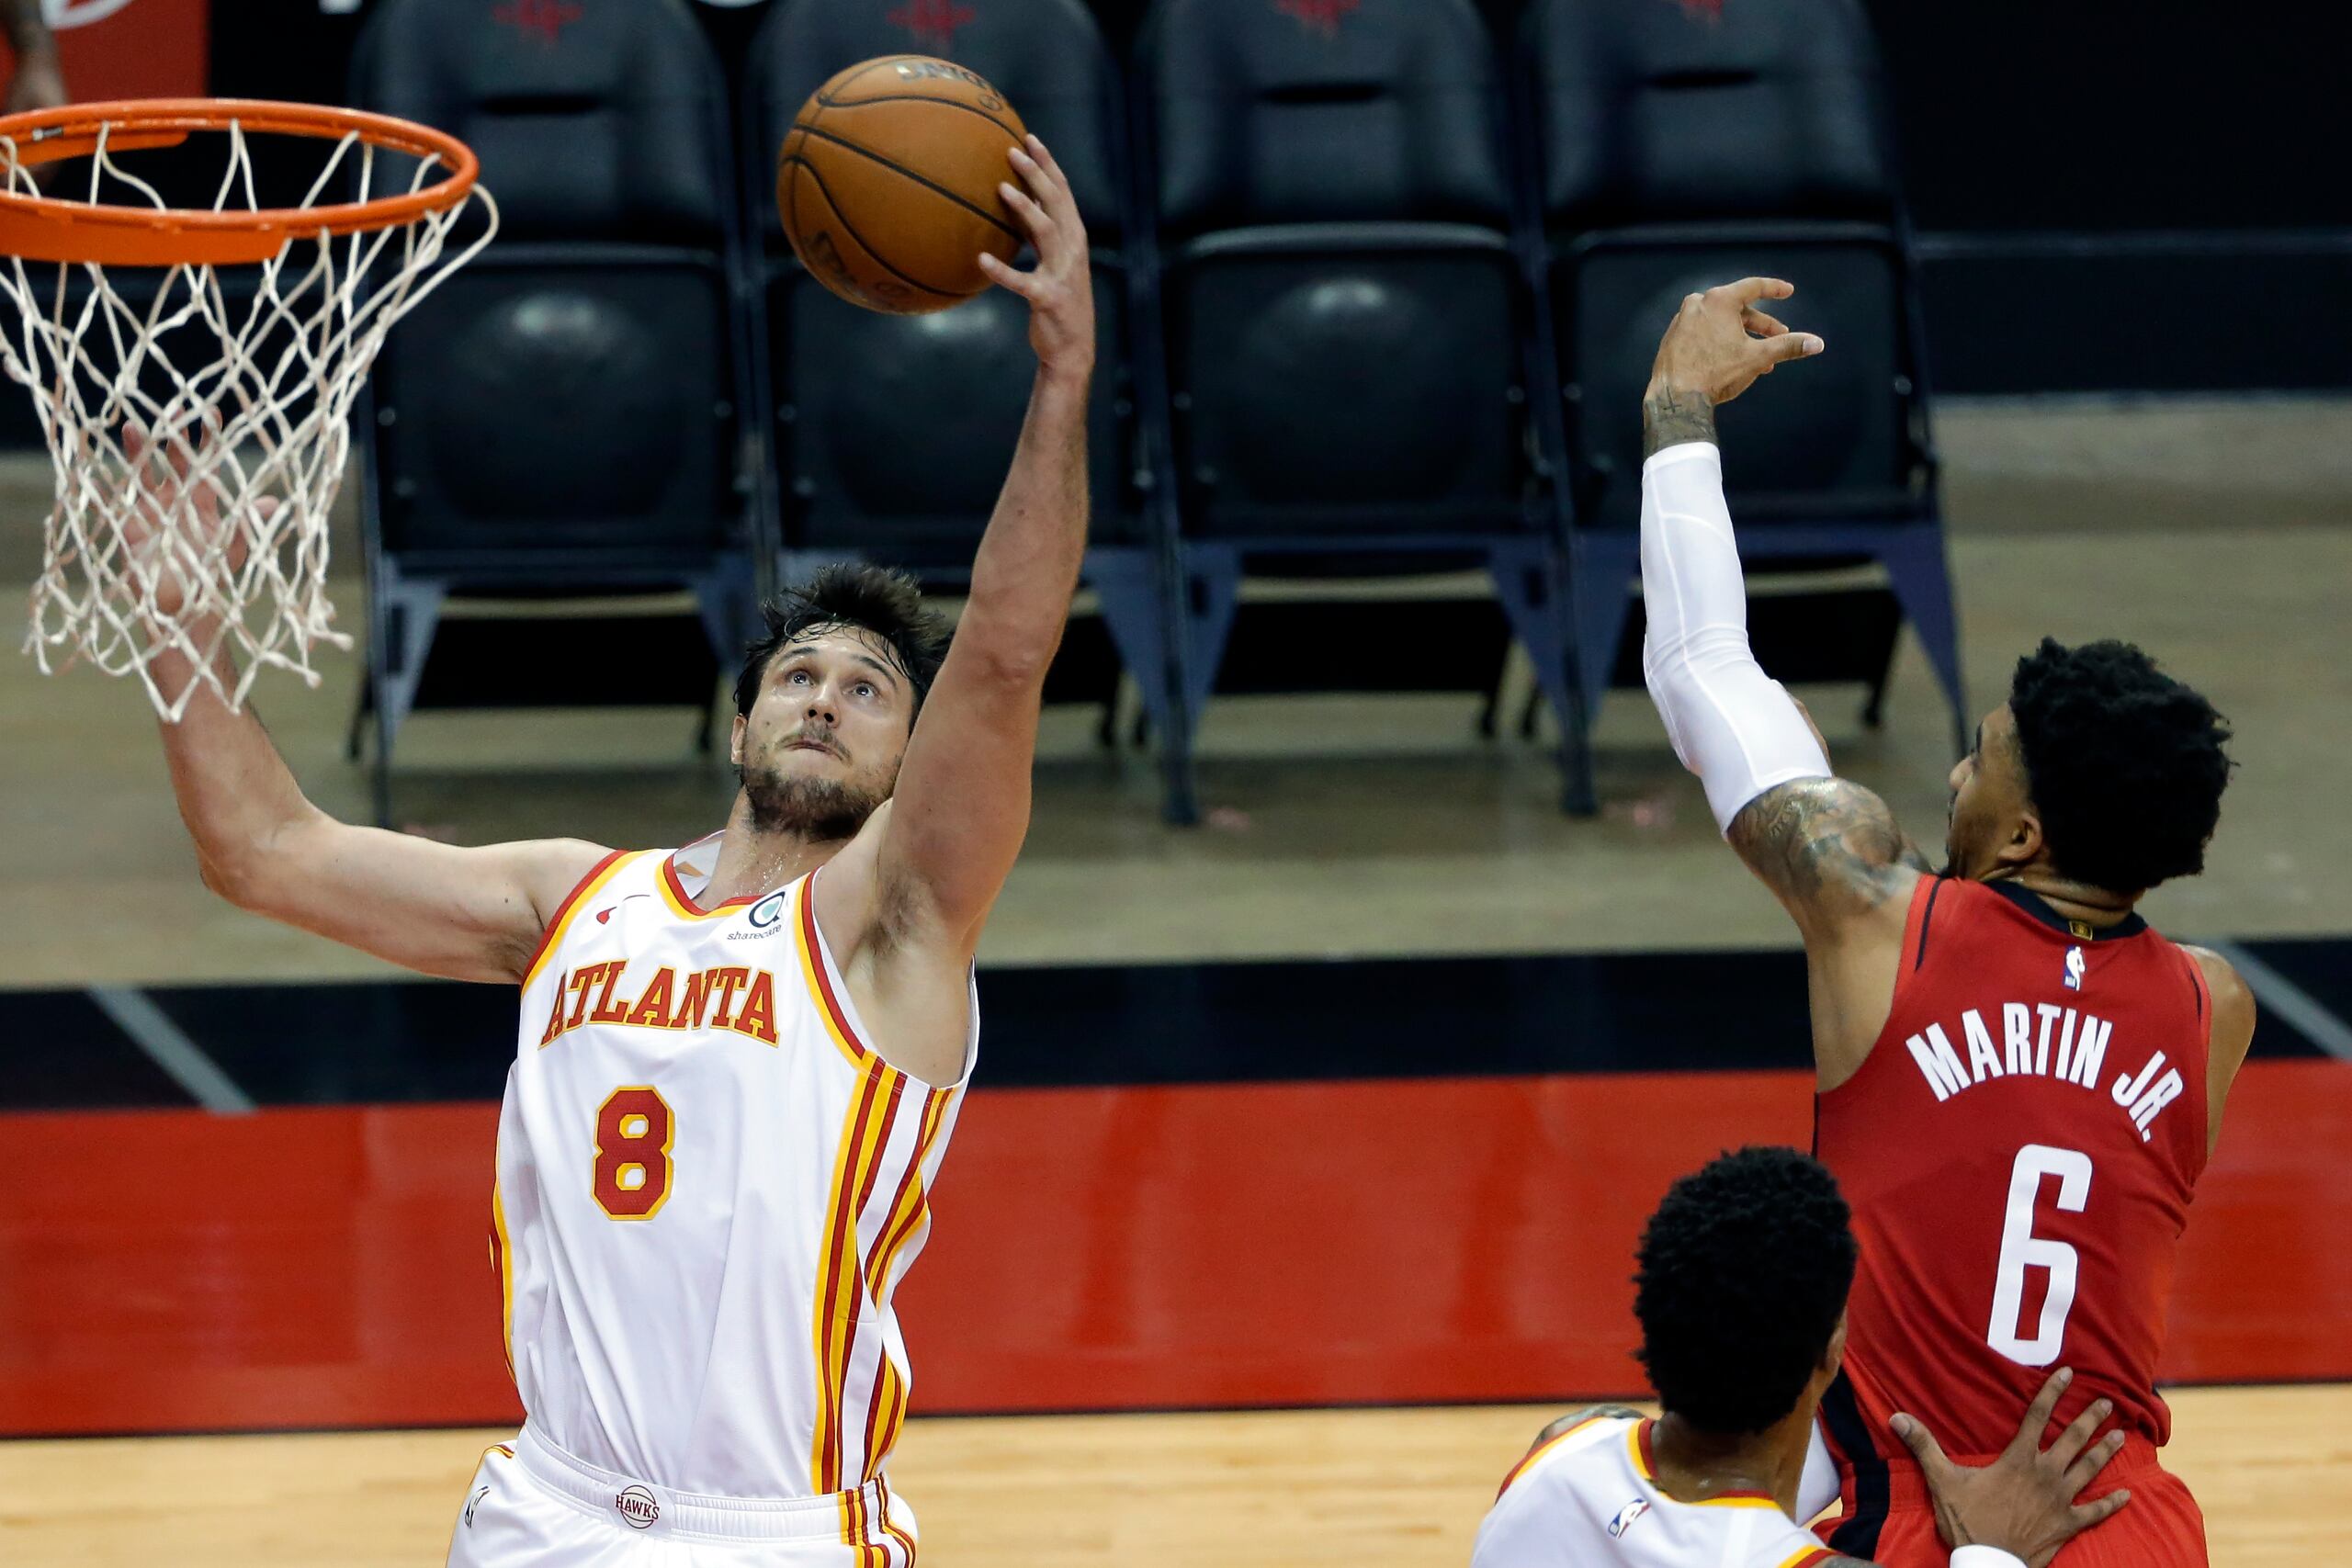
(2222, 977)
(555, 871)
(1568, 1435)
(1553, 1507)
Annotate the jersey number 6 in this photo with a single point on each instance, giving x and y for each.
(2021, 1250)
(633, 1130)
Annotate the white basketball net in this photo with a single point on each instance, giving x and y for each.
(200, 437)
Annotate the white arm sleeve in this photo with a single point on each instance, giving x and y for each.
(1731, 724)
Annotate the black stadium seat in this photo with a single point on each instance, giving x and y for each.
(893, 433)
(1334, 213)
(1344, 318)
(566, 411)
(1682, 146)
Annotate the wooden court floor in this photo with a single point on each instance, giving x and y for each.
(1368, 1488)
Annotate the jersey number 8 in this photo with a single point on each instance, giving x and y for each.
(2021, 1250)
(633, 1130)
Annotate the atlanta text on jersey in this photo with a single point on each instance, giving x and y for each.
(708, 998)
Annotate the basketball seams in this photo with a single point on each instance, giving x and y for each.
(833, 99)
(837, 84)
(809, 128)
(850, 229)
(1012, 131)
(787, 194)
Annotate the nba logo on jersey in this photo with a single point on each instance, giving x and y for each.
(2073, 968)
(1627, 1515)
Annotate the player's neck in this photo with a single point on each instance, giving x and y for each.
(1693, 1466)
(752, 862)
(2074, 900)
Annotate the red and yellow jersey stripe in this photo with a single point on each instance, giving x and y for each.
(818, 972)
(681, 903)
(902, 1222)
(502, 1259)
(1547, 1445)
(587, 886)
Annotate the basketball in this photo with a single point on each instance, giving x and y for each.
(886, 184)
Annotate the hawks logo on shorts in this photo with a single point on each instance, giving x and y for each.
(637, 1507)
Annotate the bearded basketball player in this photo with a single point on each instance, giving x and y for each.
(739, 1062)
(2020, 1080)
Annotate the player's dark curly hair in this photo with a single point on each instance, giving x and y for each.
(1743, 1273)
(850, 593)
(2124, 763)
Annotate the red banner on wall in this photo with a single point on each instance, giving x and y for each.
(129, 49)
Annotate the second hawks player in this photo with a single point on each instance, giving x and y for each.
(2020, 1079)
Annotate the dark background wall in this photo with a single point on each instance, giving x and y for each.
(2109, 196)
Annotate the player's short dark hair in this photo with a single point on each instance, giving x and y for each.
(874, 599)
(1743, 1274)
(2124, 763)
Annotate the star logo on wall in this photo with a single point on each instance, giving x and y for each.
(934, 22)
(542, 19)
(1322, 16)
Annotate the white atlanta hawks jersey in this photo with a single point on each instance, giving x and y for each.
(709, 1186)
(1589, 1498)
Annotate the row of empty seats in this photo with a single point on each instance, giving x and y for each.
(1377, 290)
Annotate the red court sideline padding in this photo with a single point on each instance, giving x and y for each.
(1110, 1249)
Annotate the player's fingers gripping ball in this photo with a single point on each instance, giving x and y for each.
(888, 184)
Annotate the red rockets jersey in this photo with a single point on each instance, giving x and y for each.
(2019, 1149)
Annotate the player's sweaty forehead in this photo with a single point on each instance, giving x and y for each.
(856, 645)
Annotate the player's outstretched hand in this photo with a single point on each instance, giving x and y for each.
(1060, 287)
(172, 534)
(2024, 1500)
(37, 83)
(1719, 342)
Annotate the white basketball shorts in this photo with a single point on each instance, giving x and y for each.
(532, 1503)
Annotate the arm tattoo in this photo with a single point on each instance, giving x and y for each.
(1671, 415)
(1816, 841)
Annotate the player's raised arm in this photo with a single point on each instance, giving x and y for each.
(469, 914)
(961, 808)
(1827, 847)
(39, 83)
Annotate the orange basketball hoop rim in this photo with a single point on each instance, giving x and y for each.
(42, 228)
